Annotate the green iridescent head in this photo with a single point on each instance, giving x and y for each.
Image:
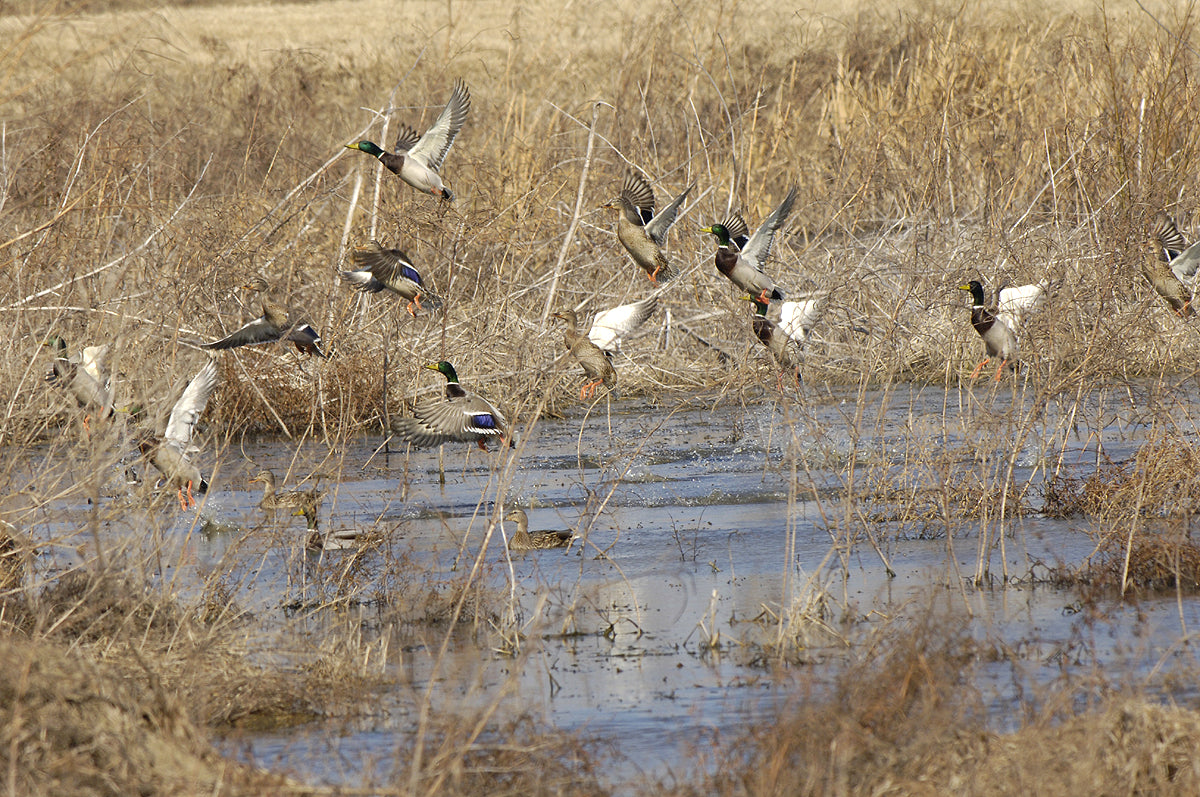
(719, 231)
(976, 291)
(369, 147)
(445, 369)
(759, 307)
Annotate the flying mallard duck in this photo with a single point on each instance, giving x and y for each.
(418, 160)
(642, 233)
(741, 258)
(611, 326)
(289, 499)
(376, 268)
(275, 323)
(463, 417)
(1171, 265)
(595, 364)
(539, 540)
(784, 335)
(999, 328)
(83, 376)
(172, 454)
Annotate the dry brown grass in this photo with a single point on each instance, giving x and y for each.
(152, 160)
(928, 147)
(905, 719)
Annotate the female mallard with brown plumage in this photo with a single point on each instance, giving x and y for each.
(376, 268)
(741, 258)
(417, 160)
(82, 374)
(1171, 264)
(595, 364)
(289, 500)
(462, 417)
(276, 323)
(640, 231)
(522, 540)
(172, 453)
(610, 327)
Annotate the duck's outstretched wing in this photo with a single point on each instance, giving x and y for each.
(190, 406)
(432, 147)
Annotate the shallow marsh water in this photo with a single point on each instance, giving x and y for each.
(698, 524)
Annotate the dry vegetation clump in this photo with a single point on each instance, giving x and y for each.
(520, 757)
(905, 721)
(1161, 480)
(83, 605)
(71, 726)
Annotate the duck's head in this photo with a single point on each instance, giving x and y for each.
(976, 290)
(516, 515)
(759, 307)
(568, 316)
(310, 516)
(264, 477)
(256, 284)
(445, 369)
(369, 147)
(56, 343)
(720, 231)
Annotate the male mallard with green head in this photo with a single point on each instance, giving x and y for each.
(640, 231)
(462, 417)
(417, 160)
(1171, 264)
(522, 540)
(275, 323)
(784, 335)
(998, 328)
(172, 453)
(595, 364)
(742, 262)
(337, 540)
(376, 268)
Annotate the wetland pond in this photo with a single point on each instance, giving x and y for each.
(701, 526)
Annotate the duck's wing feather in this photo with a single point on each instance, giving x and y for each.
(657, 227)
(190, 406)
(609, 327)
(1186, 264)
(1015, 302)
(260, 330)
(796, 319)
(463, 419)
(406, 137)
(1167, 235)
(637, 191)
(389, 266)
(758, 248)
(431, 149)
